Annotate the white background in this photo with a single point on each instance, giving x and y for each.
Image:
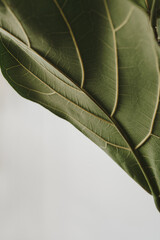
(55, 184)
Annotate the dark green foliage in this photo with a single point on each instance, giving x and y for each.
(95, 64)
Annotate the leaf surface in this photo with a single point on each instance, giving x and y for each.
(93, 64)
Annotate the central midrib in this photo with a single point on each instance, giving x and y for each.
(112, 119)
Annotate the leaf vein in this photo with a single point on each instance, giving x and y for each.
(125, 21)
(112, 144)
(156, 106)
(18, 21)
(54, 89)
(116, 58)
(74, 40)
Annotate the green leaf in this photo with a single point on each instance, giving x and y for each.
(145, 4)
(152, 8)
(95, 64)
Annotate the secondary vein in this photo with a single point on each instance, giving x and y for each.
(156, 105)
(116, 58)
(114, 122)
(110, 123)
(74, 41)
(19, 23)
(71, 117)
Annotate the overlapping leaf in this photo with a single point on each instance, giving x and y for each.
(152, 8)
(95, 64)
(145, 4)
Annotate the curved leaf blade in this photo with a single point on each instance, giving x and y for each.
(81, 60)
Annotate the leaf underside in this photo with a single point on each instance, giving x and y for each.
(96, 64)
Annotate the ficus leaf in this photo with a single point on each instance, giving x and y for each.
(95, 64)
